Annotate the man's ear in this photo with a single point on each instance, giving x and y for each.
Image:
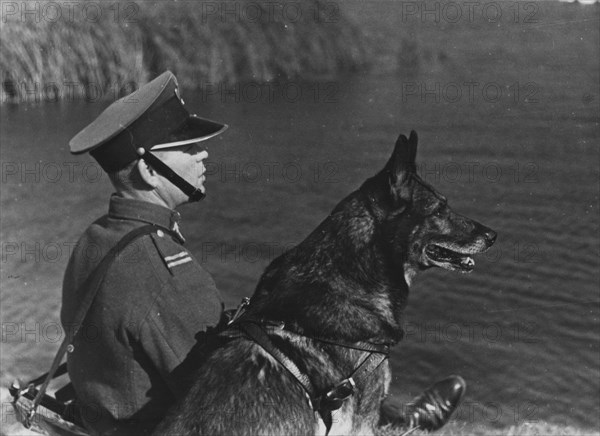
(147, 173)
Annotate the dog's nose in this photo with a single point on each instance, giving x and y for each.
(490, 236)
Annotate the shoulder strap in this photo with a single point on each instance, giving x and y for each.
(88, 289)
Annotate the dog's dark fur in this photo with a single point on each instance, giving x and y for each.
(347, 281)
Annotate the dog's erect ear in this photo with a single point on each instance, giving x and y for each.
(413, 140)
(402, 161)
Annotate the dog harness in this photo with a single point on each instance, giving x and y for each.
(258, 330)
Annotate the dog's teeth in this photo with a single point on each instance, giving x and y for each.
(468, 261)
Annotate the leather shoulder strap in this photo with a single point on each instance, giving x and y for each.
(89, 290)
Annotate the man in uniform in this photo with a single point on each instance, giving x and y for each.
(154, 297)
(152, 300)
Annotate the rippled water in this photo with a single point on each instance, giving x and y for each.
(522, 329)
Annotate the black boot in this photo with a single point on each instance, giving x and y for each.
(430, 410)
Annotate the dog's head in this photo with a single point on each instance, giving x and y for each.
(363, 256)
(418, 226)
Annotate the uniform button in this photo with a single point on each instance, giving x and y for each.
(70, 348)
(160, 233)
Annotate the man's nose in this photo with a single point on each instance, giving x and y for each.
(201, 156)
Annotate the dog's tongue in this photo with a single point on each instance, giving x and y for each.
(444, 255)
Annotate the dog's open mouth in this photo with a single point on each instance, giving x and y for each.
(449, 259)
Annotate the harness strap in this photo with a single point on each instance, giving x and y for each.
(269, 326)
(360, 346)
(88, 289)
(331, 400)
(334, 398)
(258, 335)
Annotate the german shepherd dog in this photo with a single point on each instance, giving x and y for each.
(337, 298)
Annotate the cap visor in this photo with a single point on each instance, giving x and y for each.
(195, 129)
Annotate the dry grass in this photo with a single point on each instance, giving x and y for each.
(38, 59)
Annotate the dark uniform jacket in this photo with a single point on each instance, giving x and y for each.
(154, 299)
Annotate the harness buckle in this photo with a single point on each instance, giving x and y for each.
(334, 399)
(240, 309)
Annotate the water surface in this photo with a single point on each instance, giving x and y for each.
(522, 329)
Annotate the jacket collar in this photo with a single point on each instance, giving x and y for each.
(137, 210)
